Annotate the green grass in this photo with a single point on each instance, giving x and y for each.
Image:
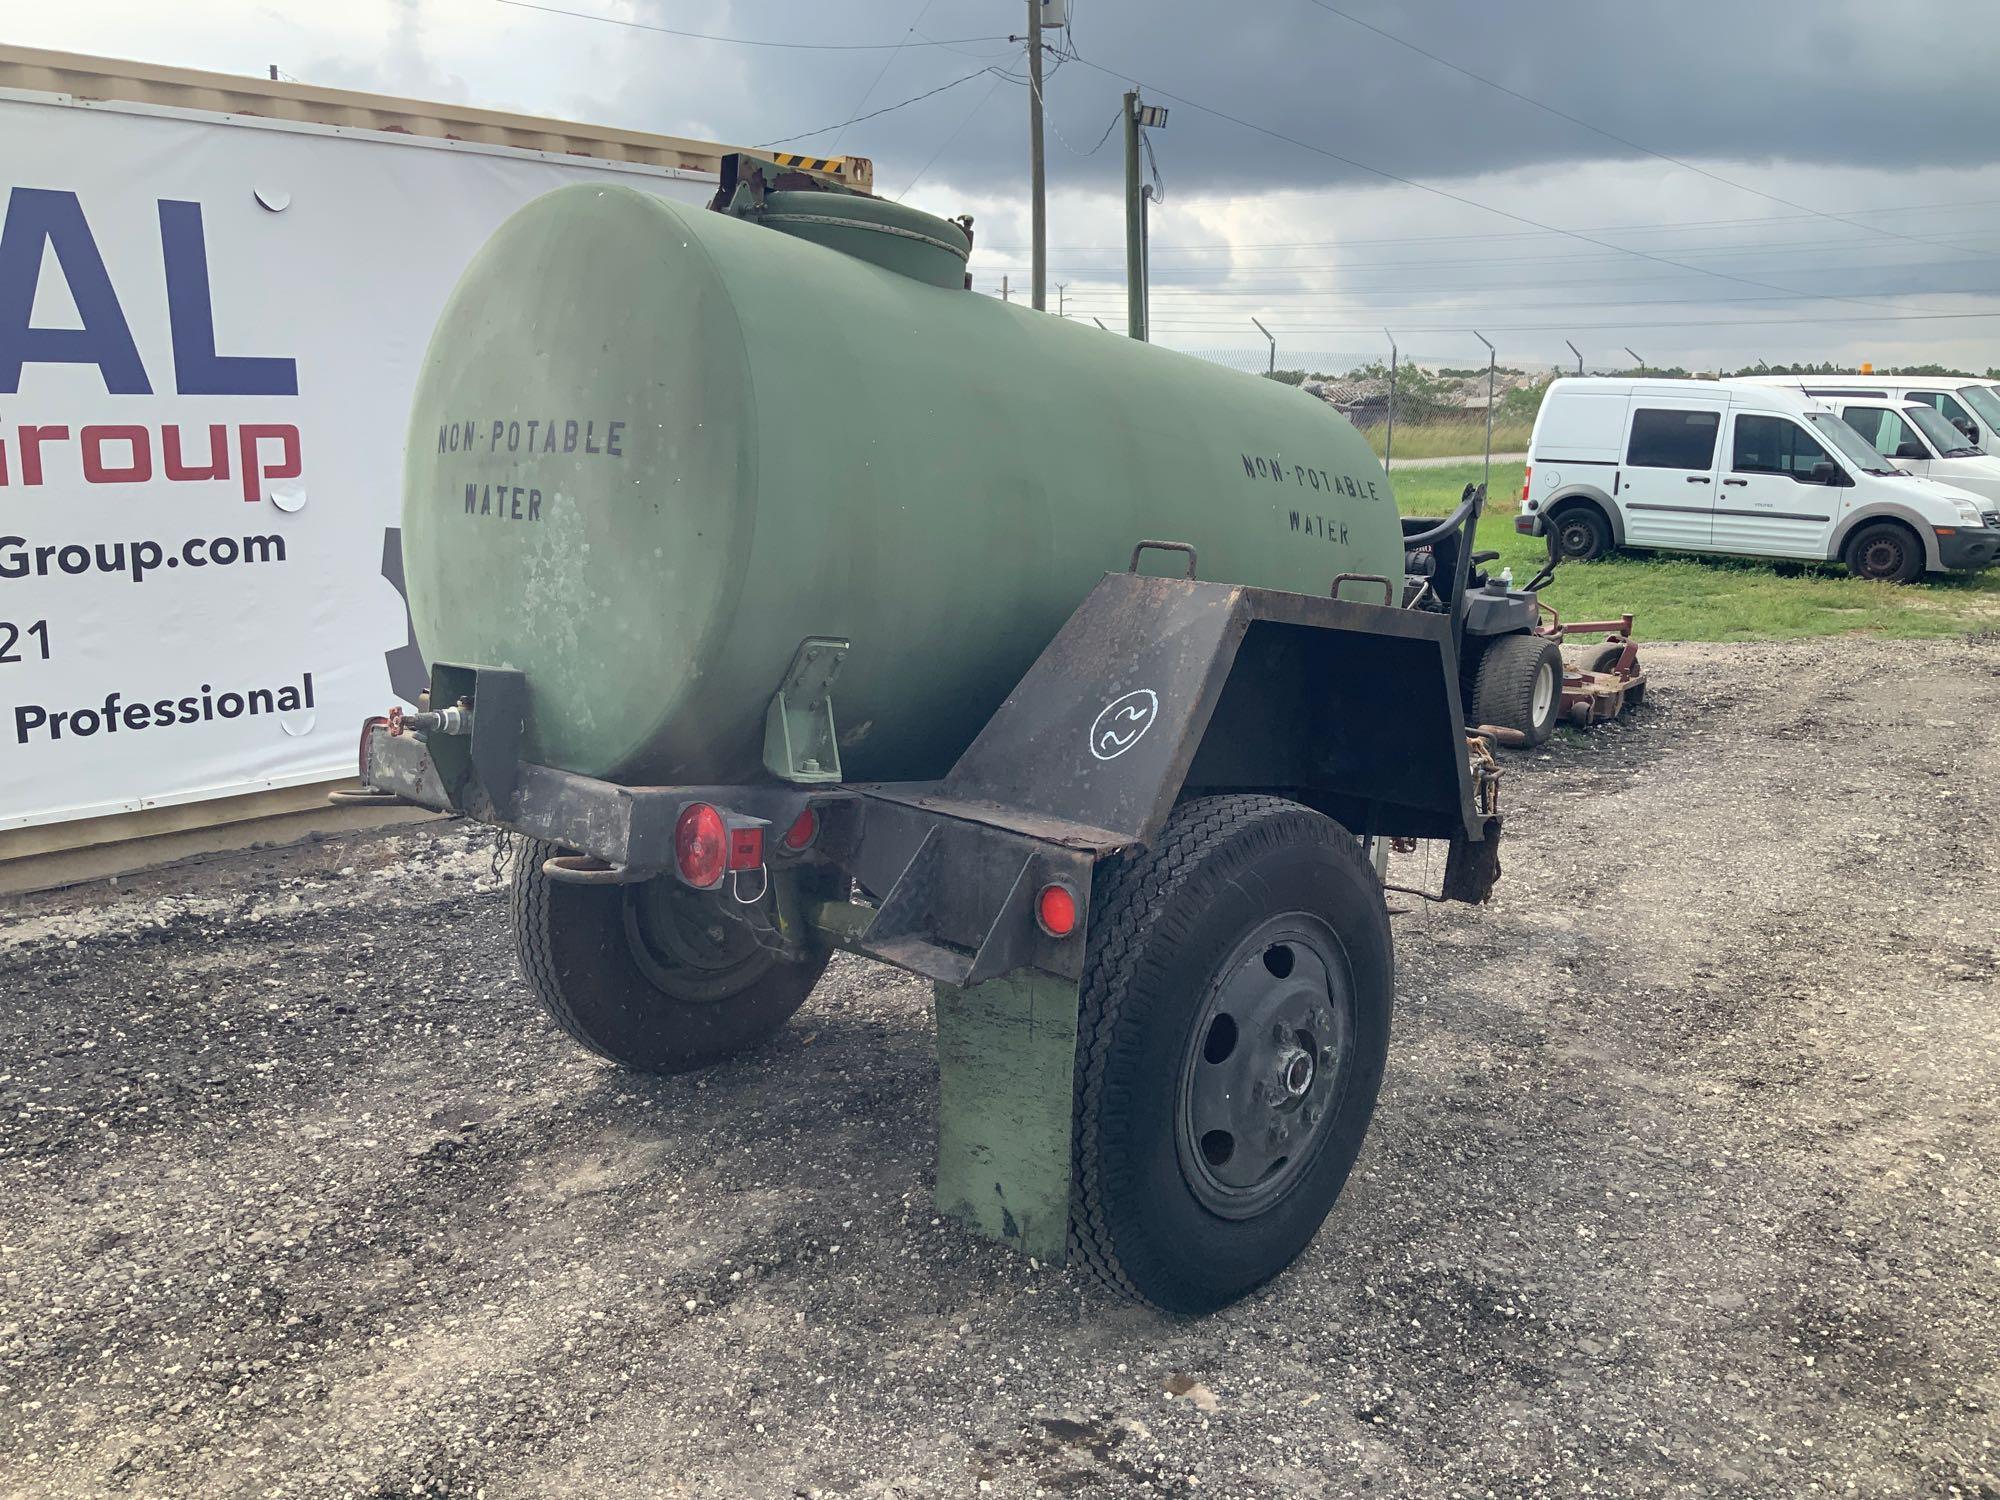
(1450, 439)
(1682, 597)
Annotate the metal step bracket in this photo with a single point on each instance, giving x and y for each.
(799, 743)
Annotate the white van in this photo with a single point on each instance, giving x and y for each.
(1918, 440)
(1736, 467)
(1972, 406)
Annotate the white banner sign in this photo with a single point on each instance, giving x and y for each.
(209, 334)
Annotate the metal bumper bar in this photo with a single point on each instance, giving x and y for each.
(630, 828)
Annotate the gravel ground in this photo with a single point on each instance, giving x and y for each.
(1682, 1181)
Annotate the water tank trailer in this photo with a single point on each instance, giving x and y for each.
(785, 595)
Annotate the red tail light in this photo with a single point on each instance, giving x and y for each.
(1055, 910)
(1527, 474)
(701, 846)
(804, 829)
(746, 846)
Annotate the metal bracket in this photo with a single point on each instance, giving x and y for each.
(480, 770)
(799, 743)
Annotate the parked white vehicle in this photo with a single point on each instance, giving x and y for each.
(1972, 406)
(1917, 440)
(1737, 467)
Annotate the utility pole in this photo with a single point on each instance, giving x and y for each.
(1003, 290)
(1146, 248)
(1036, 190)
(1272, 367)
(1061, 287)
(1491, 358)
(1389, 441)
(1135, 225)
(1137, 117)
(1579, 356)
(1640, 362)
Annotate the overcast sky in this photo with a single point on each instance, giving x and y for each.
(1858, 143)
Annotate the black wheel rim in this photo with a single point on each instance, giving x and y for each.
(1578, 538)
(684, 942)
(1882, 557)
(1266, 1066)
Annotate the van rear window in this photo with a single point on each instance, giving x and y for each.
(1663, 439)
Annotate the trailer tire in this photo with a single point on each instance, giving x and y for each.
(1179, 934)
(1518, 685)
(594, 958)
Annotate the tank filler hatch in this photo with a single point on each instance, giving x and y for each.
(814, 206)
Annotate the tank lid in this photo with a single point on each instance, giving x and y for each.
(904, 240)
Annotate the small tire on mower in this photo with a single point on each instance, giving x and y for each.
(1233, 1030)
(1579, 533)
(1605, 659)
(1886, 551)
(654, 976)
(1518, 685)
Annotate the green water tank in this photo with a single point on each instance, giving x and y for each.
(654, 447)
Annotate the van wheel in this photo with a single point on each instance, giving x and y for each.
(1232, 1036)
(654, 976)
(1518, 685)
(1884, 551)
(1580, 534)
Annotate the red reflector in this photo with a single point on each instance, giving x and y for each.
(1055, 910)
(804, 829)
(700, 846)
(1526, 474)
(746, 847)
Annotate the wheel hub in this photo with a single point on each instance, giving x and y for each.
(685, 942)
(1545, 692)
(1295, 1072)
(1266, 1066)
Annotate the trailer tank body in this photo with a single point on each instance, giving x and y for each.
(653, 448)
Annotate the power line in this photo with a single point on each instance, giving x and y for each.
(1455, 287)
(1567, 327)
(1481, 263)
(883, 71)
(1609, 135)
(1446, 193)
(1088, 298)
(1229, 319)
(983, 98)
(1113, 125)
(742, 41)
(1529, 234)
(805, 135)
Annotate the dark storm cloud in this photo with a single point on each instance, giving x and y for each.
(1853, 82)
